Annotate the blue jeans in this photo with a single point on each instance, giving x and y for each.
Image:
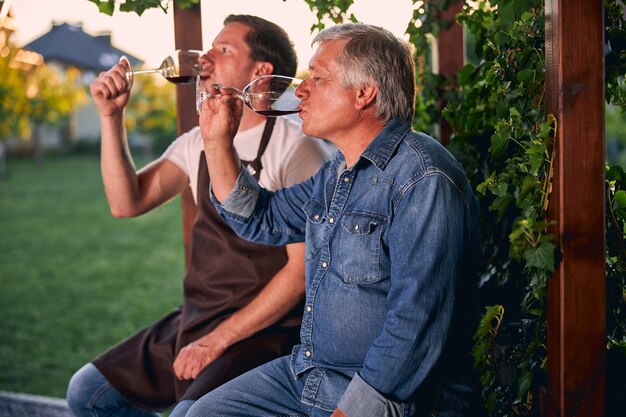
(89, 394)
(270, 390)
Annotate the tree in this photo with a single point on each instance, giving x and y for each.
(33, 95)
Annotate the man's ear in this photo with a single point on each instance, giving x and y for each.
(264, 68)
(365, 96)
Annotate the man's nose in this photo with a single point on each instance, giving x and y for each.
(300, 89)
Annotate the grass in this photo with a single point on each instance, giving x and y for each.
(74, 280)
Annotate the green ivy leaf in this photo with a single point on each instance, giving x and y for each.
(525, 75)
(513, 112)
(541, 257)
(133, 7)
(536, 157)
(529, 183)
(501, 189)
(506, 14)
(105, 6)
(544, 130)
(620, 198)
(615, 173)
(500, 205)
(524, 383)
(490, 401)
(486, 184)
(501, 38)
(502, 109)
(464, 74)
(499, 142)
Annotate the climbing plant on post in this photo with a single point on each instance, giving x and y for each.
(503, 135)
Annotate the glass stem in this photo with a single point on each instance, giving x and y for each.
(148, 71)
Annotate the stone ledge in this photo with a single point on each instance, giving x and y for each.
(26, 405)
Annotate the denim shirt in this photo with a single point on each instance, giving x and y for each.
(391, 253)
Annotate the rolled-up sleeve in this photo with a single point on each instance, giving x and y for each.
(361, 400)
(262, 216)
(242, 199)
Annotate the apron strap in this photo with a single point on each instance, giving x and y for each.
(255, 165)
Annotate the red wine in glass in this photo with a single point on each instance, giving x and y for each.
(182, 80)
(180, 67)
(275, 113)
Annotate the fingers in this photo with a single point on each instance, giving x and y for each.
(211, 96)
(231, 107)
(191, 360)
(223, 101)
(237, 107)
(110, 84)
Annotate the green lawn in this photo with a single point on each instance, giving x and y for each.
(73, 279)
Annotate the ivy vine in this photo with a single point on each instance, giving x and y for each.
(499, 118)
(140, 6)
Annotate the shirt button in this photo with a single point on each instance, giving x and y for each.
(324, 265)
(307, 354)
(331, 220)
(308, 309)
(346, 179)
(356, 227)
(316, 217)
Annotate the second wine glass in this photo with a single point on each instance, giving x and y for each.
(180, 67)
(270, 95)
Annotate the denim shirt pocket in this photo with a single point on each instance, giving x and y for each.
(360, 242)
(315, 212)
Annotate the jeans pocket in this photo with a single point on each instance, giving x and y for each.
(324, 388)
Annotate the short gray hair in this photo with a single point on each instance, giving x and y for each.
(374, 55)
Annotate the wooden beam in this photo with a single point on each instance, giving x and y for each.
(576, 296)
(450, 57)
(188, 35)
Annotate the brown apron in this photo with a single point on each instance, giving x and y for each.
(225, 273)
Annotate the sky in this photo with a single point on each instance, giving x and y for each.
(150, 37)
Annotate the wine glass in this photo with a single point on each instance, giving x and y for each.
(181, 67)
(270, 95)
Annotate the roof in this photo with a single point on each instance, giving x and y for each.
(70, 45)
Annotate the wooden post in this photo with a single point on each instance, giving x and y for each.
(450, 56)
(188, 35)
(576, 293)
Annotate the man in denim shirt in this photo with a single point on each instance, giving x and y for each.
(390, 226)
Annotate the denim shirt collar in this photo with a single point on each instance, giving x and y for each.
(382, 147)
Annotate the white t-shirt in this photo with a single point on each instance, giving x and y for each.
(290, 156)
